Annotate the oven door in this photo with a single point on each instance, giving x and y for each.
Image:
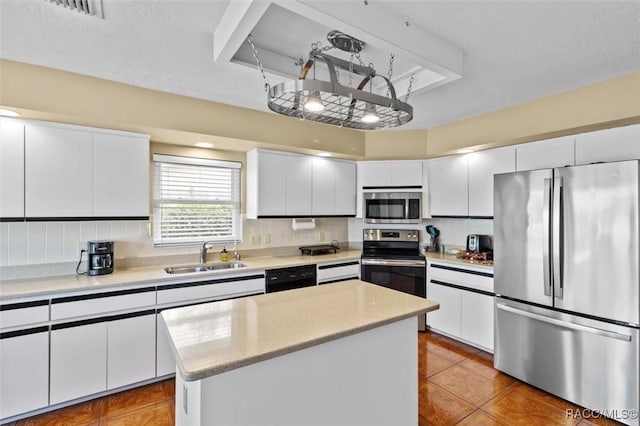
(403, 275)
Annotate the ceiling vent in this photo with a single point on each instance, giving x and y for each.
(87, 7)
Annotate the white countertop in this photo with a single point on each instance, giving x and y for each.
(43, 287)
(215, 337)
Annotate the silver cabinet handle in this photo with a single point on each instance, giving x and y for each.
(564, 324)
(546, 230)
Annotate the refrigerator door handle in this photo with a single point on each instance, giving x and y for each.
(557, 232)
(564, 324)
(546, 244)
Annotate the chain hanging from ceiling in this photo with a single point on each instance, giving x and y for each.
(330, 101)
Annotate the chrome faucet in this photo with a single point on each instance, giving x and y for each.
(203, 251)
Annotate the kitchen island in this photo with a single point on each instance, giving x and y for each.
(342, 353)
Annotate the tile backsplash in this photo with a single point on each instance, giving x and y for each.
(42, 243)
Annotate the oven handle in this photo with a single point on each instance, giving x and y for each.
(393, 262)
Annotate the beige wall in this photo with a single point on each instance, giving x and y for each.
(610, 103)
(44, 93)
(48, 94)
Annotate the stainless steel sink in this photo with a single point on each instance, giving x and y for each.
(203, 267)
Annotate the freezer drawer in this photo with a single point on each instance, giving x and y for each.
(591, 363)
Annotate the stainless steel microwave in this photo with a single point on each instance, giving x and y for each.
(392, 207)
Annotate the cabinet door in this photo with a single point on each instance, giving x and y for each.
(406, 173)
(131, 350)
(482, 166)
(476, 324)
(345, 187)
(324, 186)
(24, 373)
(298, 185)
(448, 186)
(58, 172)
(271, 179)
(447, 318)
(120, 175)
(165, 363)
(78, 361)
(546, 154)
(617, 144)
(11, 169)
(426, 210)
(376, 174)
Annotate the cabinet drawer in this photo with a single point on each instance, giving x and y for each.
(227, 287)
(338, 270)
(471, 278)
(24, 313)
(101, 303)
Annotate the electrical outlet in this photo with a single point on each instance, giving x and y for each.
(255, 239)
(267, 238)
(321, 236)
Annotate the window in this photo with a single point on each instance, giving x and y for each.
(195, 200)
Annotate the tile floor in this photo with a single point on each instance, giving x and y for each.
(458, 386)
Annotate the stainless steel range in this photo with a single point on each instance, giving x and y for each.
(391, 258)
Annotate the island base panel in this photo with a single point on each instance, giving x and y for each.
(368, 378)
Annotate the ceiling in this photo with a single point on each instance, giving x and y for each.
(510, 51)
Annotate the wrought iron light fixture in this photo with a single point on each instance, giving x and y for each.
(331, 101)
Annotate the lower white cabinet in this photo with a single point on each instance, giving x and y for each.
(447, 317)
(24, 371)
(466, 303)
(165, 364)
(78, 360)
(476, 318)
(131, 349)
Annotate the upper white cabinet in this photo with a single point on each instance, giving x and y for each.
(546, 154)
(58, 178)
(482, 166)
(619, 143)
(449, 186)
(73, 171)
(11, 168)
(334, 189)
(281, 184)
(390, 173)
(120, 175)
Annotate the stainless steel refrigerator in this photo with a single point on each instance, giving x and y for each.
(567, 310)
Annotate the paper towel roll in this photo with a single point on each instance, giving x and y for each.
(297, 224)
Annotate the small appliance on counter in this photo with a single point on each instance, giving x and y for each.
(479, 243)
(320, 249)
(100, 257)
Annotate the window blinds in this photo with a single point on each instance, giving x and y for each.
(195, 200)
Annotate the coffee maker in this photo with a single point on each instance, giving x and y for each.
(100, 257)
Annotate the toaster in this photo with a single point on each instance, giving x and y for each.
(479, 243)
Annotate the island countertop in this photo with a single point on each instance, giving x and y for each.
(212, 338)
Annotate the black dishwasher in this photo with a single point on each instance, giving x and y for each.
(289, 278)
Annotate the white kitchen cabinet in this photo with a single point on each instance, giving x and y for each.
(426, 210)
(476, 318)
(449, 186)
(447, 318)
(165, 363)
(337, 271)
(11, 169)
(616, 144)
(78, 361)
(131, 349)
(281, 184)
(334, 187)
(24, 371)
(465, 295)
(391, 173)
(58, 172)
(120, 175)
(546, 154)
(345, 187)
(299, 185)
(482, 166)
